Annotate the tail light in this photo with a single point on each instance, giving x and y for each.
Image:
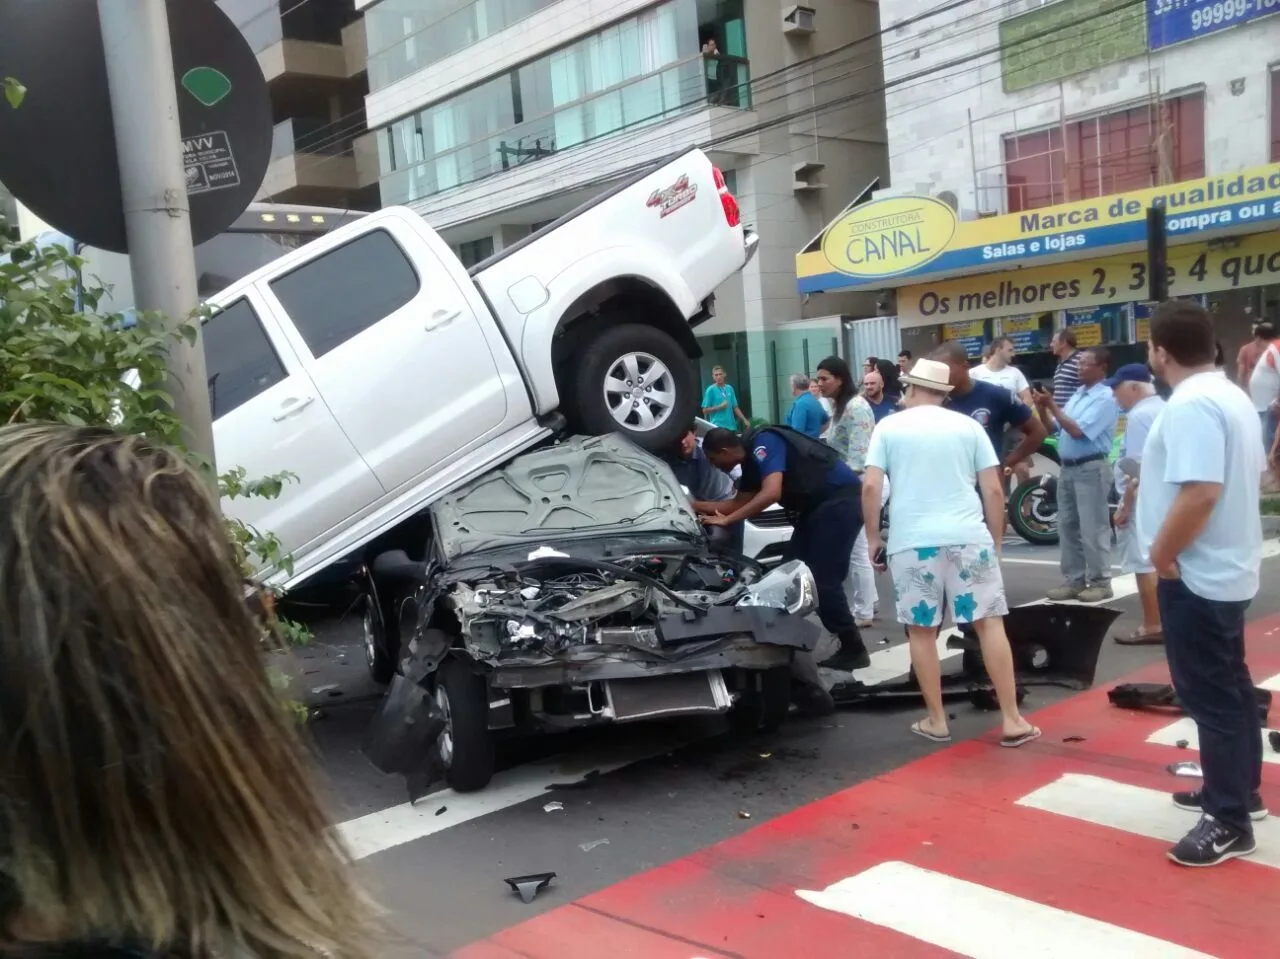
(732, 215)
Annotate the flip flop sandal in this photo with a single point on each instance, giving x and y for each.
(1139, 638)
(1013, 742)
(919, 730)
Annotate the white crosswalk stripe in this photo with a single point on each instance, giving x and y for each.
(981, 923)
(1184, 731)
(969, 919)
(1136, 810)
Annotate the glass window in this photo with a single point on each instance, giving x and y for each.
(1275, 116)
(238, 357)
(635, 72)
(474, 251)
(344, 292)
(1109, 154)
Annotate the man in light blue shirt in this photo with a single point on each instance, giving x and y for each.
(1198, 521)
(806, 415)
(1086, 429)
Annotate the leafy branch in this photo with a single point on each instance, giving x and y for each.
(63, 362)
(14, 91)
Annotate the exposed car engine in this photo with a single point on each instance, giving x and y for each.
(566, 607)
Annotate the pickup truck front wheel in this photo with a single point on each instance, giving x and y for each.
(636, 380)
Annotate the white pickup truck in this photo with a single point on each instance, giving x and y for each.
(373, 367)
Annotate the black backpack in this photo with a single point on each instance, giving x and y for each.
(809, 464)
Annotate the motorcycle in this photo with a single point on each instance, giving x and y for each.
(1033, 504)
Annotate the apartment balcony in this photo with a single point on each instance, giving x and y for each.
(312, 162)
(584, 143)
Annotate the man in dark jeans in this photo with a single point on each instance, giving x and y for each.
(822, 496)
(1198, 521)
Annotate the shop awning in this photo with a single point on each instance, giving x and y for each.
(918, 242)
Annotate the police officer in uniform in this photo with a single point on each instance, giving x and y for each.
(822, 498)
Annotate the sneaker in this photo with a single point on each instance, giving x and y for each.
(1211, 843)
(1095, 594)
(1194, 802)
(1062, 593)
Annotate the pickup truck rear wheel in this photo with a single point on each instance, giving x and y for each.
(636, 380)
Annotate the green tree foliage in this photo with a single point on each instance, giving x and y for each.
(63, 362)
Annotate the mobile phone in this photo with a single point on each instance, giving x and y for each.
(881, 558)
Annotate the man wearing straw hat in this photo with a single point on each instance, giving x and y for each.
(944, 558)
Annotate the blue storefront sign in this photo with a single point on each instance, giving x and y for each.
(1177, 21)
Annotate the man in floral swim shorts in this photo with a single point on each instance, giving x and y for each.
(944, 558)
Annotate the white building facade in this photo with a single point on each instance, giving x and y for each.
(1012, 105)
(493, 117)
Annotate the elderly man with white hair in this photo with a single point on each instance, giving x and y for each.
(807, 414)
(1135, 393)
(946, 517)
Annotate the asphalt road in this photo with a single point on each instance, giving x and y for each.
(438, 867)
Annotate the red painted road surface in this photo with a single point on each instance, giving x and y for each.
(1055, 824)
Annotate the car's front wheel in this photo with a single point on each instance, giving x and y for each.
(465, 746)
(636, 380)
(381, 663)
(763, 704)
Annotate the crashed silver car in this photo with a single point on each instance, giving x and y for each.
(574, 586)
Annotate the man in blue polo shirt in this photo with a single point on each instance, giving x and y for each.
(1086, 428)
(806, 415)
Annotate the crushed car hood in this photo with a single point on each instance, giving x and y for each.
(585, 487)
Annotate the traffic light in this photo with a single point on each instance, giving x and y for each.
(1157, 256)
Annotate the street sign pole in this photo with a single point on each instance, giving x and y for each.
(144, 110)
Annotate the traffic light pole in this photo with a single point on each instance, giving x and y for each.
(144, 111)
(1157, 256)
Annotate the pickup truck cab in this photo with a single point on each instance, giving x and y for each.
(380, 373)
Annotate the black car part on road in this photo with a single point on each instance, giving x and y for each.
(1053, 644)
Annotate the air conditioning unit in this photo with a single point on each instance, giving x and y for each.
(798, 21)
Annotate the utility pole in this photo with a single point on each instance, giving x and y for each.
(157, 213)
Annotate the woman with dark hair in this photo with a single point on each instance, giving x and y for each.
(852, 423)
(155, 797)
(891, 375)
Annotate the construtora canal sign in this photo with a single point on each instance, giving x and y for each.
(898, 241)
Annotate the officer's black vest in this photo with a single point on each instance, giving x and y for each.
(805, 481)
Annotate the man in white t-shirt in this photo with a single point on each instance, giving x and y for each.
(1198, 521)
(999, 369)
(942, 542)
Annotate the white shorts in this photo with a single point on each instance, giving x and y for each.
(1131, 558)
(963, 582)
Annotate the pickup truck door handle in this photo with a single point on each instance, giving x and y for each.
(293, 406)
(441, 318)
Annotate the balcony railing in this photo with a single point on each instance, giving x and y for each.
(689, 85)
(310, 135)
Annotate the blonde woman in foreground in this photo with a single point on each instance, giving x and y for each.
(155, 800)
